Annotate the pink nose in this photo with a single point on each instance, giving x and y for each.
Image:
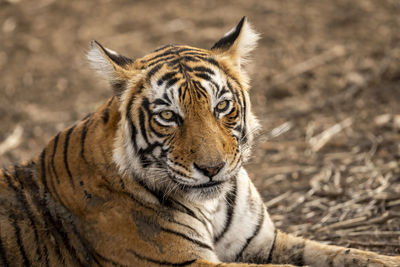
(209, 171)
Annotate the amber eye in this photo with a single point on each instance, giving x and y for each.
(222, 106)
(167, 115)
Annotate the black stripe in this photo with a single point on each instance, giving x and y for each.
(231, 203)
(132, 127)
(52, 185)
(203, 76)
(134, 199)
(47, 215)
(85, 192)
(163, 60)
(171, 82)
(176, 62)
(105, 115)
(114, 263)
(166, 77)
(204, 69)
(65, 239)
(298, 252)
(188, 50)
(186, 210)
(222, 91)
(195, 54)
(244, 138)
(211, 61)
(269, 259)
(230, 87)
(216, 86)
(45, 255)
(163, 47)
(189, 59)
(150, 148)
(200, 89)
(53, 155)
(85, 247)
(158, 134)
(153, 71)
(194, 241)
(158, 195)
(122, 184)
(119, 87)
(186, 226)
(87, 116)
(17, 233)
(165, 263)
(3, 255)
(42, 165)
(142, 125)
(160, 101)
(41, 203)
(166, 53)
(255, 233)
(166, 97)
(83, 139)
(65, 153)
(25, 207)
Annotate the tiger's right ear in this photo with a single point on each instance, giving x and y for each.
(114, 67)
(237, 44)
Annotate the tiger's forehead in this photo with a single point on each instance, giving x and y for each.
(171, 53)
(175, 73)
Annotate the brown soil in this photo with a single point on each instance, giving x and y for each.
(326, 87)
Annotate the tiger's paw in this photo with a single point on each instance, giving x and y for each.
(369, 259)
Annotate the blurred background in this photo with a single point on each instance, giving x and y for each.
(325, 85)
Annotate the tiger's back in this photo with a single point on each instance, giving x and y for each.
(154, 177)
(32, 233)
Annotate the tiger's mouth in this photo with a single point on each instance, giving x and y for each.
(207, 185)
(204, 191)
(185, 185)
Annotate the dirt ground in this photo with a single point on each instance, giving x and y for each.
(325, 85)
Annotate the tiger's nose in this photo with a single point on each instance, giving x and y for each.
(209, 171)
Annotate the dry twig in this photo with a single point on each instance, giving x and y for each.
(12, 141)
(319, 141)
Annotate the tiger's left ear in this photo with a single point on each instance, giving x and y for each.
(238, 43)
(114, 67)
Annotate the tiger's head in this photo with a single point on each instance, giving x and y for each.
(186, 125)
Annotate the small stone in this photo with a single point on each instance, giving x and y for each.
(9, 25)
(382, 119)
(396, 121)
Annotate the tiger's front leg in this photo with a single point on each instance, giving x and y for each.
(248, 235)
(204, 263)
(299, 251)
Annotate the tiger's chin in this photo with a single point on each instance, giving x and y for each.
(205, 191)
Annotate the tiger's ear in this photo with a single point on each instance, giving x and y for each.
(111, 65)
(238, 43)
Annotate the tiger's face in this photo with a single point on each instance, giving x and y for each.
(186, 125)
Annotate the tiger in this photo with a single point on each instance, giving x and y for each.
(155, 177)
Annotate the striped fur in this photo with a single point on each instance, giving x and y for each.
(154, 177)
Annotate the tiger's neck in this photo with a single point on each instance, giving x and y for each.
(76, 167)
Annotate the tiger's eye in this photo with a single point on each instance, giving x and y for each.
(222, 105)
(167, 114)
